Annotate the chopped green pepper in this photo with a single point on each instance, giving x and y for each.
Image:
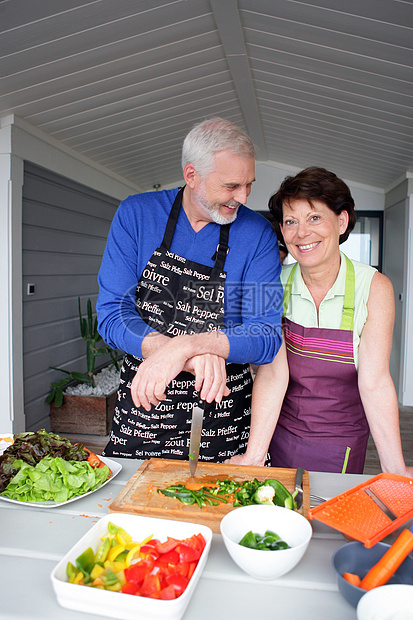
(264, 495)
(269, 542)
(249, 540)
(121, 535)
(86, 561)
(102, 552)
(71, 571)
(283, 496)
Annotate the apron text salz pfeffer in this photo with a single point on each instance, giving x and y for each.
(322, 424)
(178, 296)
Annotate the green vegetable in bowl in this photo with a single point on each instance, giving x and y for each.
(270, 541)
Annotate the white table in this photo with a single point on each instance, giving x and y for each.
(33, 540)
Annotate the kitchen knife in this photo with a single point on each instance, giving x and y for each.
(298, 493)
(387, 511)
(195, 438)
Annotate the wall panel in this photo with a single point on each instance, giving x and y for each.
(64, 231)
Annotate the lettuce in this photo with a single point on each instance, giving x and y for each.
(55, 479)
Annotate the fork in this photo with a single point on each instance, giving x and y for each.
(316, 499)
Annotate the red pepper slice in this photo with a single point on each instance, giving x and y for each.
(130, 587)
(191, 569)
(168, 545)
(149, 550)
(172, 557)
(202, 541)
(179, 582)
(188, 554)
(195, 543)
(168, 593)
(137, 572)
(150, 586)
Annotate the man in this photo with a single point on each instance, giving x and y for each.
(189, 289)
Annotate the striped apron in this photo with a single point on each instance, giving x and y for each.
(322, 424)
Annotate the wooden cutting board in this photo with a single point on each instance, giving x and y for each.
(140, 495)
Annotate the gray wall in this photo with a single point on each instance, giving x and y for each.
(65, 226)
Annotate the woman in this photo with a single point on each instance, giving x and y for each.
(338, 327)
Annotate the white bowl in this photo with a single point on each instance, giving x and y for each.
(289, 525)
(389, 602)
(117, 604)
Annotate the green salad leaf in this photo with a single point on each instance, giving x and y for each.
(32, 447)
(55, 479)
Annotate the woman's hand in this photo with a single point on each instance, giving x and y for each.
(244, 459)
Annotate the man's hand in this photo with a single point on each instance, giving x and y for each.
(210, 376)
(155, 373)
(165, 363)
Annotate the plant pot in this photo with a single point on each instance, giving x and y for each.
(86, 415)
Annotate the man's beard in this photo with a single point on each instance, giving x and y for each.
(213, 210)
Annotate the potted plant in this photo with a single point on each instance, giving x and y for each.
(89, 415)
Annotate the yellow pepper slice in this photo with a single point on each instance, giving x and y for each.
(96, 571)
(131, 554)
(114, 552)
(115, 566)
(79, 578)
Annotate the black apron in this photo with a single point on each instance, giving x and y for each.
(177, 296)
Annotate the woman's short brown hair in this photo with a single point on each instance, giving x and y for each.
(315, 184)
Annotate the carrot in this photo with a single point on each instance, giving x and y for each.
(381, 572)
(95, 461)
(197, 486)
(353, 579)
(93, 458)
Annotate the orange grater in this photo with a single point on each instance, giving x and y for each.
(357, 516)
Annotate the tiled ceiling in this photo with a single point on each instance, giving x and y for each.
(324, 82)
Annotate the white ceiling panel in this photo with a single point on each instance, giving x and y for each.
(121, 81)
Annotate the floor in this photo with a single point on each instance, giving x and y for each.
(372, 466)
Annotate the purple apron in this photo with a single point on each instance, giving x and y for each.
(322, 424)
(177, 296)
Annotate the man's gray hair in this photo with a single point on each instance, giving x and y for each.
(211, 136)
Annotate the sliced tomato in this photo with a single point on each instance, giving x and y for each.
(168, 545)
(151, 585)
(188, 553)
(179, 582)
(168, 593)
(130, 587)
(172, 557)
(137, 572)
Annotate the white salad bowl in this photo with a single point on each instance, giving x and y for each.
(291, 526)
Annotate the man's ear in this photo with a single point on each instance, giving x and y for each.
(189, 175)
